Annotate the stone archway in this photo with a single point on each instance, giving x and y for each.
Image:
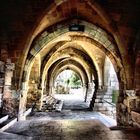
(96, 37)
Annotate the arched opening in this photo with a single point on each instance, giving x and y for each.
(56, 47)
(68, 86)
(98, 40)
(66, 80)
(70, 49)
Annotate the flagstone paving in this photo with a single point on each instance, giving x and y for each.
(70, 130)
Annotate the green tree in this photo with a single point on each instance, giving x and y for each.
(75, 81)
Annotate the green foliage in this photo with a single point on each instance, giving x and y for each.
(75, 81)
(115, 94)
(72, 81)
(67, 81)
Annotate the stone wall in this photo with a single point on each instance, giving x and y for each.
(127, 103)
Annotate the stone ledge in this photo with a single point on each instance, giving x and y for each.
(3, 119)
(8, 125)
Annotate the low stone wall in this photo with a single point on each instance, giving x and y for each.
(127, 104)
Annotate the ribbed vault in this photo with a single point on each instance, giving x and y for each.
(68, 64)
(84, 52)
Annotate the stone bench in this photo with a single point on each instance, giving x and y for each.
(52, 104)
(59, 105)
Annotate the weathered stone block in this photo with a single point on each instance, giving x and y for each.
(10, 66)
(135, 117)
(93, 33)
(1, 81)
(2, 67)
(103, 39)
(7, 92)
(8, 77)
(97, 36)
(107, 43)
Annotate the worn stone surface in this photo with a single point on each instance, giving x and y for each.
(73, 115)
(70, 130)
(7, 136)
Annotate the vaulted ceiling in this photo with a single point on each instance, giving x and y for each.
(32, 28)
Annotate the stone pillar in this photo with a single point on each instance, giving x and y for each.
(2, 76)
(50, 89)
(23, 101)
(126, 101)
(90, 91)
(41, 98)
(137, 73)
(95, 86)
(8, 102)
(86, 91)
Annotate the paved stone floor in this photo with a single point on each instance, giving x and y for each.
(73, 115)
(75, 122)
(67, 130)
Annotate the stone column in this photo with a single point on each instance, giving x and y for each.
(90, 91)
(85, 91)
(8, 102)
(94, 91)
(2, 76)
(137, 74)
(23, 101)
(50, 89)
(41, 90)
(126, 102)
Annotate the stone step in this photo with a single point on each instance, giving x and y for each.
(108, 113)
(102, 104)
(97, 108)
(103, 96)
(104, 109)
(101, 100)
(105, 93)
(59, 106)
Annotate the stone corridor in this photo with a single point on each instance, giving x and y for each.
(98, 40)
(66, 130)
